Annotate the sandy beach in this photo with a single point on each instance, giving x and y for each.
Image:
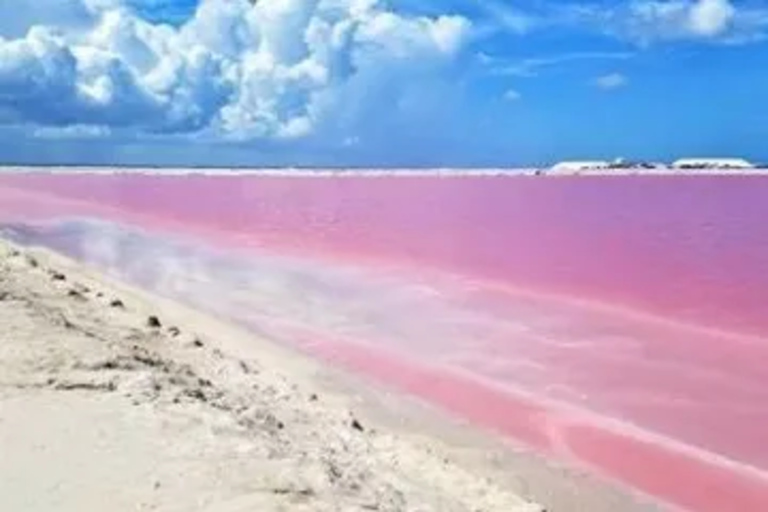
(113, 399)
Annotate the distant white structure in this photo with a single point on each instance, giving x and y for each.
(576, 166)
(712, 163)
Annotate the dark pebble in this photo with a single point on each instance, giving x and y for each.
(197, 394)
(76, 294)
(153, 322)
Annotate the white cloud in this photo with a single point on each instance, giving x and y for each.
(680, 19)
(611, 81)
(532, 66)
(73, 131)
(509, 18)
(647, 21)
(653, 21)
(512, 95)
(281, 69)
(711, 17)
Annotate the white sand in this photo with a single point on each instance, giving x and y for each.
(101, 411)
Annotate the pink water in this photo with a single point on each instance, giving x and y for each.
(613, 322)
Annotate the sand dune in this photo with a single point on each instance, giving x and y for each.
(111, 399)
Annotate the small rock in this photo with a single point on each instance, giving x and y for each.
(99, 294)
(357, 425)
(116, 303)
(64, 321)
(174, 331)
(298, 492)
(32, 262)
(154, 322)
(76, 294)
(197, 342)
(196, 394)
(58, 276)
(148, 360)
(313, 397)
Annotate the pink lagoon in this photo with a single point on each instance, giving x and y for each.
(616, 323)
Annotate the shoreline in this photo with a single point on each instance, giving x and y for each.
(363, 172)
(279, 407)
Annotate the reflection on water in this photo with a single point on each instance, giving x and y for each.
(271, 290)
(672, 379)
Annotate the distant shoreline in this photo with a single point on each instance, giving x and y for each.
(368, 172)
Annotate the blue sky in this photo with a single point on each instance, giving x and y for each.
(381, 82)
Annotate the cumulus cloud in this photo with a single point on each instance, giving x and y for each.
(281, 69)
(512, 95)
(611, 81)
